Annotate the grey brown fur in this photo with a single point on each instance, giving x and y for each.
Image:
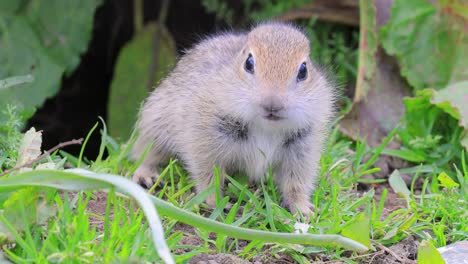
(211, 111)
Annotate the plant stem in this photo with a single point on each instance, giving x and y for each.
(197, 221)
(138, 15)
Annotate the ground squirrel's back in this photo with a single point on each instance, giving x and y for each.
(241, 102)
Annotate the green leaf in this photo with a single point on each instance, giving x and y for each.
(8, 7)
(38, 39)
(358, 229)
(453, 100)
(404, 153)
(26, 206)
(398, 185)
(428, 128)
(429, 44)
(136, 74)
(424, 109)
(393, 232)
(428, 254)
(418, 111)
(446, 181)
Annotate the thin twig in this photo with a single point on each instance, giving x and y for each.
(395, 255)
(373, 255)
(378, 253)
(45, 154)
(338, 11)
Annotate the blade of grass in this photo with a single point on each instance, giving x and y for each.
(241, 187)
(269, 211)
(80, 157)
(102, 147)
(405, 154)
(16, 235)
(383, 197)
(379, 150)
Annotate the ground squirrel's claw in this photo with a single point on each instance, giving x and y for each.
(145, 177)
(145, 182)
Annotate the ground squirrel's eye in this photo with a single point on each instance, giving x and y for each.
(302, 74)
(249, 64)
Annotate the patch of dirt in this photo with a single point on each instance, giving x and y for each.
(278, 258)
(190, 238)
(388, 164)
(403, 252)
(392, 202)
(221, 258)
(98, 207)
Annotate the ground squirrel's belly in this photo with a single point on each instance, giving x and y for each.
(263, 151)
(252, 156)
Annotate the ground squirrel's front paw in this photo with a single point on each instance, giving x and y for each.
(145, 177)
(211, 201)
(305, 207)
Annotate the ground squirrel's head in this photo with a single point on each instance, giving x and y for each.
(275, 65)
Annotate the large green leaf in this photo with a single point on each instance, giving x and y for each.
(398, 185)
(136, 72)
(424, 112)
(10, 7)
(30, 205)
(428, 254)
(358, 229)
(428, 41)
(44, 39)
(453, 100)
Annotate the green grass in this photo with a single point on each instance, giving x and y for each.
(56, 226)
(71, 238)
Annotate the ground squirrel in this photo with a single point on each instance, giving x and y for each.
(241, 102)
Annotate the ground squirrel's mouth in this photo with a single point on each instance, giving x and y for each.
(273, 117)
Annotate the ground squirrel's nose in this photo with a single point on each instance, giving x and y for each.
(272, 104)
